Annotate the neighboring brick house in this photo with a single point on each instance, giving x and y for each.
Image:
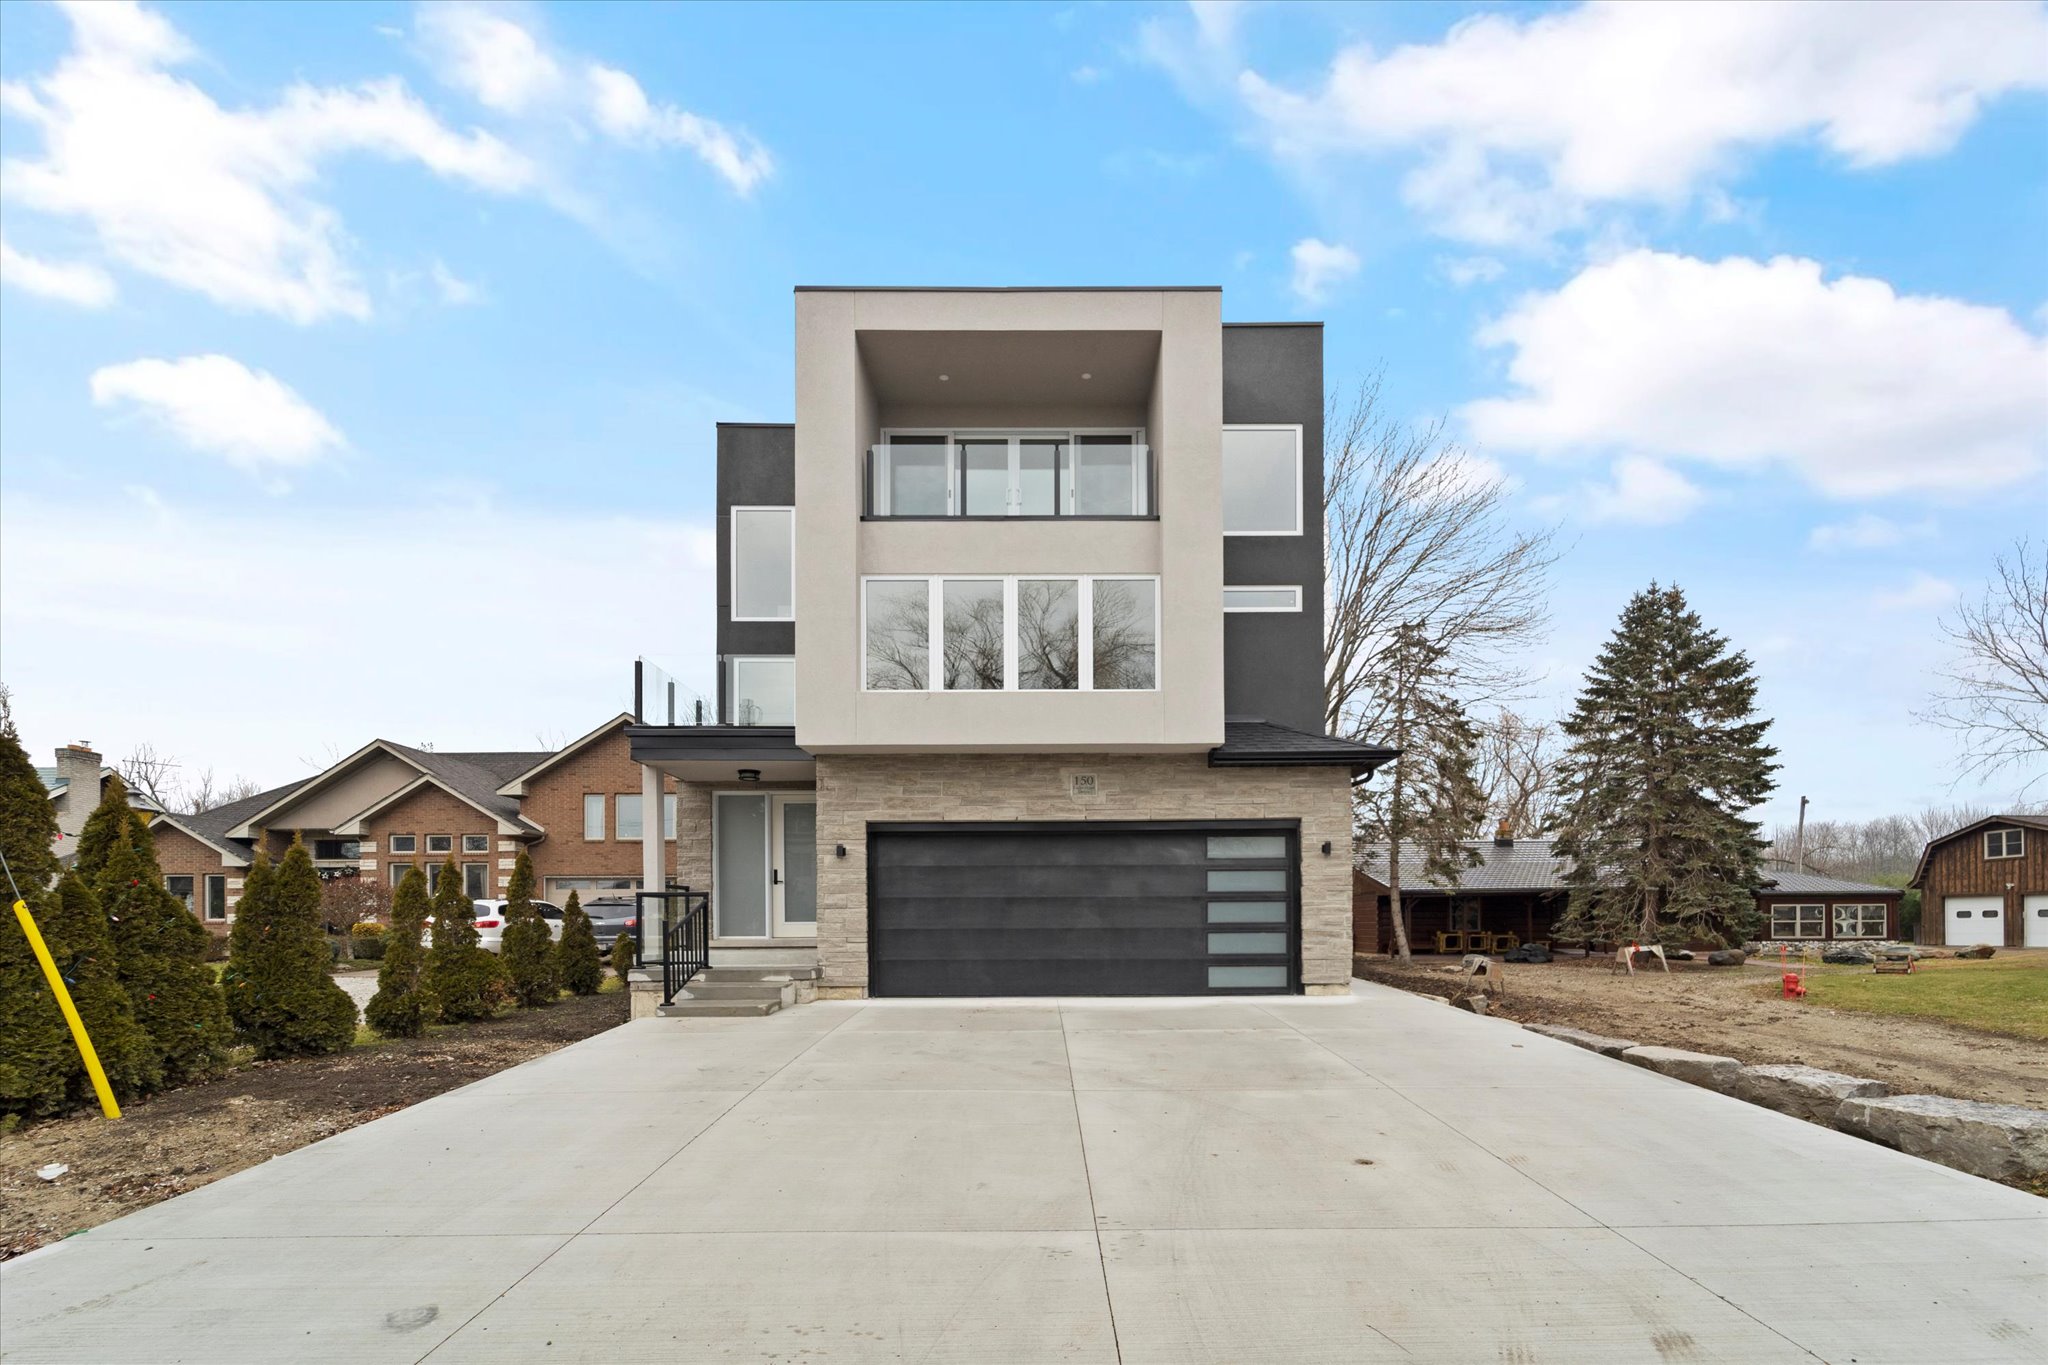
(1986, 883)
(389, 807)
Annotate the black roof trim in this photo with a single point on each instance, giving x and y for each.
(1317, 325)
(763, 426)
(715, 743)
(1253, 743)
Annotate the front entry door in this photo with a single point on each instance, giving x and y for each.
(764, 879)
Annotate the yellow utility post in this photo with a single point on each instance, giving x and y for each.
(50, 973)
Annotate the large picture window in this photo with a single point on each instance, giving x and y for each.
(1026, 634)
(764, 564)
(1262, 492)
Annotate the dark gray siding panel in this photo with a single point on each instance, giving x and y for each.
(1273, 663)
(756, 468)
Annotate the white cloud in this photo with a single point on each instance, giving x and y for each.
(1921, 592)
(1857, 390)
(1868, 532)
(259, 588)
(78, 282)
(1519, 126)
(213, 199)
(506, 66)
(1087, 75)
(1320, 267)
(218, 406)
(453, 289)
(1465, 270)
(1642, 492)
(486, 54)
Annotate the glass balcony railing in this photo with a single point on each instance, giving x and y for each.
(658, 699)
(1081, 475)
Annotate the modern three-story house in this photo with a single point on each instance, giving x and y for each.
(1020, 656)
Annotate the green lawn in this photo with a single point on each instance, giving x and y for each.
(2003, 995)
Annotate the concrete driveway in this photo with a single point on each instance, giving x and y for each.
(1363, 1179)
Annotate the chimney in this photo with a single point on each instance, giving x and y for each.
(80, 766)
(1504, 835)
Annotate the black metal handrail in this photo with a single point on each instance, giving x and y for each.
(685, 942)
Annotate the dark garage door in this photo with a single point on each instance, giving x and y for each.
(1070, 908)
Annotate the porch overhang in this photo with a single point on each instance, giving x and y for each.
(1251, 742)
(720, 753)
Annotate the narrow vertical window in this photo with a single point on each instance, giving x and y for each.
(593, 816)
(1125, 634)
(217, 898)
(764, 564)
(898, 630)
(1048, 634)
(627, 815)
(973, 639)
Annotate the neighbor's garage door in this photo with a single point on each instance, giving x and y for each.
(1082, 909)
(1974, 919)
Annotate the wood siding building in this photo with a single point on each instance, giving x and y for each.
(1986, 883)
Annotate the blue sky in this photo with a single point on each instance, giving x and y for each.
(358, 363)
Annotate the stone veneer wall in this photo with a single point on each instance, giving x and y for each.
(856, 789)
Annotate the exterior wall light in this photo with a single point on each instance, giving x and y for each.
(839, 850)
(750, 774)
(1326, 848)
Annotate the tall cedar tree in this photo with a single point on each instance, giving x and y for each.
(1431, 801)
(161, 950)
(1667, 753)
(529, 947)
(576, 957)
(401, 1008)
(280, 997)
(76, 929)
(111, 823)
(37, 1056)
(461, 975)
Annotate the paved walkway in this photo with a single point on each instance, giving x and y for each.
(1356, 1180)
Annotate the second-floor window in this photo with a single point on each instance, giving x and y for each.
(763, 564)
(627, 808)
(1262, 485)
(1010, 474)
(2004, 843)
(593, 816)
(1011, 633)
(761, 690)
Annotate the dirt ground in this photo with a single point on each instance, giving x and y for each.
(1736, 1012)
(185, 1138)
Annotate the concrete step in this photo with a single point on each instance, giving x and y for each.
(700, 989)
(758, 974)
(717, 1009)
(774, 956)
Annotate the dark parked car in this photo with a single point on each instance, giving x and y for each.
(611, 916)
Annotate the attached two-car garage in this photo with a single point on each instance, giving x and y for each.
(1084, 908)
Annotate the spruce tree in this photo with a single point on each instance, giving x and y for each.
(75, 927)
(1667, 754)
(401, 1007)
(161, 950)
(1430, 802)
(529, 949)
(37, 1055)
(461, 975)
(280, 997)
(576, 957)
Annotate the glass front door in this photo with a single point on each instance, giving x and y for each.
(764, 879)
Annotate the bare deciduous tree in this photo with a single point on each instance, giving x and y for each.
(209, 793)
(1883, 849)
(1994, 692)
(1516, 767)
(1418, 534)
(153, 774)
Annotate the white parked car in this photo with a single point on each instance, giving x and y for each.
(490, 924)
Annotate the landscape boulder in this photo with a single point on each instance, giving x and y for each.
(1475, 1003)
(1727, 957)
(1996, 1141)
(1979, 951)
(1528, 952)
(1698, 1068)
(1592, 1042)
(1805, 1092)
(1847, 957)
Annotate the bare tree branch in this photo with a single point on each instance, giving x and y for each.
(1994, 693)
(1417, 534)
(1516, 768)
(151, 773)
